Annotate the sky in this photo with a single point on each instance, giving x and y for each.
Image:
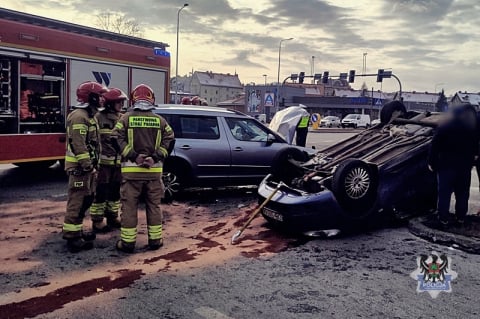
(429, 45)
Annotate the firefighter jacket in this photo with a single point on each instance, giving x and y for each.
(106, 122)
(83, 147)
(142, 132)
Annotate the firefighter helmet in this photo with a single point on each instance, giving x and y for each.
(195, 100)
(112, 97)
(143, 98)
(88, 93)
(186, 100)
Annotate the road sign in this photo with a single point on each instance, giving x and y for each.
(158, 51)
(269, 99)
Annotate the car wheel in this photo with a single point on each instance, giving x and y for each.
(283, 169)
(174, 180)
(355, 185)
(391, 111)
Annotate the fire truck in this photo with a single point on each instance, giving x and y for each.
(42, 61)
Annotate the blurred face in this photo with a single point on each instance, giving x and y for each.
(101, 101)
(118, 105)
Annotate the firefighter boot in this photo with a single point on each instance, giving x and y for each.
(125, 247)
(154, 244)
(76, 245)
(88, 236)
(114, 222)
(100, 226)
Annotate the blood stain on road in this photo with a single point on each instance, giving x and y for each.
(56, 299)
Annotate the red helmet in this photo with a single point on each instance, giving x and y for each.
(143, 97)
(186, 100)
(195, 100)
(89, 93)
(115, 94)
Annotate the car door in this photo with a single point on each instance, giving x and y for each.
(252, 152)
(201, 142)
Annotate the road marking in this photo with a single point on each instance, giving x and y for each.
(211, 313)
(59, 195)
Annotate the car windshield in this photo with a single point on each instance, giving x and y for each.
(351, 116)
(247, 130)
(329, 118)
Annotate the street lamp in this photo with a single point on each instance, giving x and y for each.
(364, 67)
(265, 76)
(176, 62)
(278, 73)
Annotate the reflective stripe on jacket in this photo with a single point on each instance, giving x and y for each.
(106, 122)
(83, 147)
(142, 132)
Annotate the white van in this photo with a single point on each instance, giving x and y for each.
(356, 120)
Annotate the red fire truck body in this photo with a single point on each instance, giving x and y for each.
(42, 61)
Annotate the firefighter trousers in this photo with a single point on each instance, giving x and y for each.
(81, 187)
(130, 192)
(107, 195)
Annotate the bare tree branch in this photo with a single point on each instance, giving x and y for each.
(118, 23)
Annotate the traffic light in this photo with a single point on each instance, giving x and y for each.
(380, 75)
(351, 76)
(325, 77)
(301, 77)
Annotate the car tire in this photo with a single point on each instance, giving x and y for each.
(174, 177)
(282, 169)
(354, 184)
(392, 110)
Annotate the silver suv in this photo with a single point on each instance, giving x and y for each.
(218, 147)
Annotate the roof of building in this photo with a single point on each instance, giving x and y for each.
(218, 79)
(467, 98)
(236, 101)
(420, 97)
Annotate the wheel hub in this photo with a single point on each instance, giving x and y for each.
(357, 183)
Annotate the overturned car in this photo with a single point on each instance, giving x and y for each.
(382, 170)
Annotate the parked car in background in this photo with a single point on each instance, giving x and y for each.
(218, 147)
(375, 122)
(330, 121)
(356, 120)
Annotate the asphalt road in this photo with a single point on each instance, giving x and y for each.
(363, 275)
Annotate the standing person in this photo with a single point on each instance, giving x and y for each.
(143, 138)
(107, 195)
(81, 163)
(302, 130)
(452, 155)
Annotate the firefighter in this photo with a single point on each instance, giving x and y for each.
(144, 140)
(81, 162)
(107, 195)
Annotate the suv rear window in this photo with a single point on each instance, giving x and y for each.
(195, 127)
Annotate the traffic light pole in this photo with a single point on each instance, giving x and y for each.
(389, 75)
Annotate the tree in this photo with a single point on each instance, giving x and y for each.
(442, 103)
(118, 23)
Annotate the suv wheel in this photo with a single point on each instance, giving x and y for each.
(174, 179)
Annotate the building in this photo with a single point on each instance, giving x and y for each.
(215, 87)
(466, 99)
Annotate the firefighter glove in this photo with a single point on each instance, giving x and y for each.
(148, 162)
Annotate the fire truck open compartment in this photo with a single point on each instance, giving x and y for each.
(32, 96)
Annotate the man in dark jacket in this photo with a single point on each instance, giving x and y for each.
(452, 154)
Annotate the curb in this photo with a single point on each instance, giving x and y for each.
(418, 228)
